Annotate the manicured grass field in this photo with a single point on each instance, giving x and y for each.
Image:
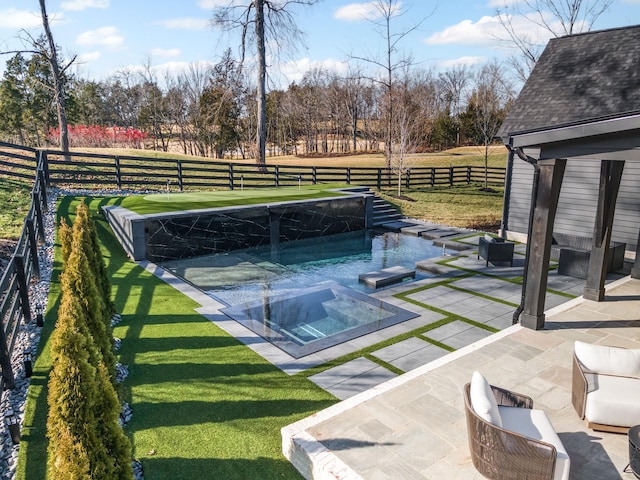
(171, 202)
(204, 405)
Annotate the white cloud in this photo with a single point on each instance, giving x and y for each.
(88, 57)
(467, 32)
(355, 12)
(17, 19)
(294, 70)
(489, 31)
(84, 4)
(461, 61)
(165, 52)
(185, 23)
(105, 36)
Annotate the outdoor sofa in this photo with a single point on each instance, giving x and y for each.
(508, 439)
(573, 252)
(606, 386)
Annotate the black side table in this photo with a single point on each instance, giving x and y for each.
(634, 451)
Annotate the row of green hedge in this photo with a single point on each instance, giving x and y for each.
(86, 440)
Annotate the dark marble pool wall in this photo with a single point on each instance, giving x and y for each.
(183, 236)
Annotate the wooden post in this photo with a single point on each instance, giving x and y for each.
(468, 174)
(33, 246)
(37, 205)
(23, 287)
(379, 179)
(230, 176)
(433, 176)
(180, 179)
(5, 362)
(546, 204)
(118, 173)
(348, 176)
(408, 179)
(314, 178)
(451, 176)
(277, 175)
(610, 177)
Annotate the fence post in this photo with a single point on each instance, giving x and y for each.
(5, 362)
(23, 287)
(348, 175)
(180, 181)
(42, 187)
(433, 176)
(451, 176)
(276, 172)
(379, 179)
(408, 178)
(230, 176)
(314, 178)
(35, 200)
(33, 247)
(118, 173)
(45, 167)
(468, 174)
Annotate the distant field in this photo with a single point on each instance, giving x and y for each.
(456, 156)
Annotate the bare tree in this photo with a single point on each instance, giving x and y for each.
(558, 17)
(260, 21)
(386, 12)
(47, 49)
(487, 107)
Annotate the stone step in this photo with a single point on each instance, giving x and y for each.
(386, 276)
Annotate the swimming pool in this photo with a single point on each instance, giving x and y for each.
(304, 295)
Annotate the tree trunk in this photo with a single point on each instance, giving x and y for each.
(58, 87)
(261, 130)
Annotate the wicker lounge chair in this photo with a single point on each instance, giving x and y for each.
(524, 446)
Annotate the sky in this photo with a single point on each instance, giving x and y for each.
(168, 35)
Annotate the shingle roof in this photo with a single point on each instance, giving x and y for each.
(580, 77)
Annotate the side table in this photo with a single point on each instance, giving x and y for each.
(634, 451)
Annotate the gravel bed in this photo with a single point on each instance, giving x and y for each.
(29, 337)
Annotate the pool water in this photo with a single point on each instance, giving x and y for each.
(304, 296)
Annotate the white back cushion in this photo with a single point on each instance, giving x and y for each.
(483, 401)
(623, 362)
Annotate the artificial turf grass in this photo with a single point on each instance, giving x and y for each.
(173, 202)
(204, 405)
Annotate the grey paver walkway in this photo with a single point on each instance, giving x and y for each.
(352, 377)
(410, 353)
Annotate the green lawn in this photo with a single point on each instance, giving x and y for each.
(15, 199)
(204, 405)
(172, 202)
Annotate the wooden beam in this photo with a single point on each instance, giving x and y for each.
(540, 236)
(610, 177)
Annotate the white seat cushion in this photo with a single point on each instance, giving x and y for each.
(623, 362)
(483, 401)
(614, 401)
(535, 424)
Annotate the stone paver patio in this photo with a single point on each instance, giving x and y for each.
(413, 426)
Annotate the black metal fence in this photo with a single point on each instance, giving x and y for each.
(122, 171)
(23, 267)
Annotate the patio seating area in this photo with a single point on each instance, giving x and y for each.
(414, 425)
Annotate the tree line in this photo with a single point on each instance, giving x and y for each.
(210, 110)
